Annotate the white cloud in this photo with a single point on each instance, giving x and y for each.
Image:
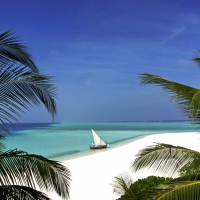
(174, 33)
(188, 18)
(184, 62)
(88, 82)
(55, 53)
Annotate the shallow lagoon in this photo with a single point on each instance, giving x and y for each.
(61, 141)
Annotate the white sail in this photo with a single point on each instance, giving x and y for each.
(97, 140)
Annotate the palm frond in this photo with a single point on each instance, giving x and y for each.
(191, 177)
(17, 192)
(20, 89)
(12, 51)
(165, 158)
(186, 97)
(18, 167)
(121, 184)
(2, 144)
(179, 190)
(197, 58)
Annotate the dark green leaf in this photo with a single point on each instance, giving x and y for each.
(18, 167)
(16, 192)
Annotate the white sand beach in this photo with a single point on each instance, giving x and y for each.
(92, 175)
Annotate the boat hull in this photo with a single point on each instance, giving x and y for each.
(98, 147)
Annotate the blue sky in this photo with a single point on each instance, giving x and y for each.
(96, 50)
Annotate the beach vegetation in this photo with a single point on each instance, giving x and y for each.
(138, 190)
(171, 161)
(179, 166)
(121, 184)
(189, 169)
(22, 85)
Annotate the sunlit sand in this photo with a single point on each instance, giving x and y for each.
(92, 175)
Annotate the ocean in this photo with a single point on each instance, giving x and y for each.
(62, 141)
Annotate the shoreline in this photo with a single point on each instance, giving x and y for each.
(116, 145)
(94, 152)
(93, 174)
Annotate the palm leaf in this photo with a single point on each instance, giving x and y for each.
(186, 97)
(165, 158)
(2, 144)
(18, 167)
(16, 192)
(12, 51)
(121, 184)
(187, 190)
(20, 89)
(197, 59)
(191, 177)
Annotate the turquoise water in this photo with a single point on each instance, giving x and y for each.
(61, 141)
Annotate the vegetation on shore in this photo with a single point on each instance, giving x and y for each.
(138, 190)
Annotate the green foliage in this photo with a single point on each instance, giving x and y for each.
(142, 185)
(16, 192)
(165, 158)
(189, 168)
(18, 167)
(140, 188)
(13, 52)
(186, 190)
(187, 98)
(122, 184)
(168, 159)
(161, 188)
(23, 86)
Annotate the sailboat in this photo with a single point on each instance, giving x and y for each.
(98, 142)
